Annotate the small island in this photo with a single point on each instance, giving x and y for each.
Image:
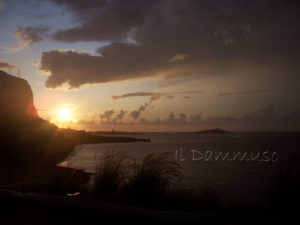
(213, 131)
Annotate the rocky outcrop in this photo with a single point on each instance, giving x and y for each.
(26, 138)
(16, 98)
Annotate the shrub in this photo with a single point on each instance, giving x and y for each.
(111, 171)
(152, 182)
(152, 179)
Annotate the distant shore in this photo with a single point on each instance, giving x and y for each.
(213, 131)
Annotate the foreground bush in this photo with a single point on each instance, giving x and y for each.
(111, 170)
(152, 182)
(152, 179)
(119, 177)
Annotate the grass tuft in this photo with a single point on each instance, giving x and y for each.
(111, 170)
(153, 178)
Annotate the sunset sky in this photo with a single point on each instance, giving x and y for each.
(160, 65)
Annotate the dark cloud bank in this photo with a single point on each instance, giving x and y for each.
(175, 38)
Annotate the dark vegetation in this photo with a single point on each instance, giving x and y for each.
(151, 182)
(155, 182)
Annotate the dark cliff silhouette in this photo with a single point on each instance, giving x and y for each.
(27, 141)
(16, 97)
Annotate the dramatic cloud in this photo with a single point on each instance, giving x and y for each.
(249, 92)
(154, 95)
(107, 115)
(28, 35)
(5, 65)
(78, 68)
(137, 94)
(103, 20)
(171, 38)
(119, 117)
(136, 113)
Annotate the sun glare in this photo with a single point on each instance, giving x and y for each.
(64, 114)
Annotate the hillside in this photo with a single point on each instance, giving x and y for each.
(31, 147)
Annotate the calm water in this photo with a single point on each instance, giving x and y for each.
(235, 179)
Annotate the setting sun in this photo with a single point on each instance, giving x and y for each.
(64, 114)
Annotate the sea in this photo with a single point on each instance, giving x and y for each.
(239, 166)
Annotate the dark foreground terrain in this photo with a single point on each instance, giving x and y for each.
(45, 209)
